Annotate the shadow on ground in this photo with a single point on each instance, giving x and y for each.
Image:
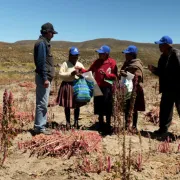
(148, 134)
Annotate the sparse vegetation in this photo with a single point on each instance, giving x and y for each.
(123, 155)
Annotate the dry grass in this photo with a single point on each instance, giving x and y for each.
(21, 52)
(143, 156)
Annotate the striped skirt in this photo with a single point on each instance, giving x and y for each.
(66, 96)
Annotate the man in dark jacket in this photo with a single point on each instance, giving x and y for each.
(168, 71)
(44, 74)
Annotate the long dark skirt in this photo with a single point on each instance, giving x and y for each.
(65, 96)
(140, 101)
(103, 104)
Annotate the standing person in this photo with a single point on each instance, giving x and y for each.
(168, 71)
(44, 74)
(103, 68)
(65, 98)
(134, 66)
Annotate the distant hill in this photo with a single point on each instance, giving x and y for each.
(22, 51)
(92, 44)
(3, 44)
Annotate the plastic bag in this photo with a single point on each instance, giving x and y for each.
(127, 84)
(88, 76)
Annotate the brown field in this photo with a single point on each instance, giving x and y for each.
(149, 157)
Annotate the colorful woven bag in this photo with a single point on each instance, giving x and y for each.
(83, 90)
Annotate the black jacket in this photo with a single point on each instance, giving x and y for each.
(168, 71)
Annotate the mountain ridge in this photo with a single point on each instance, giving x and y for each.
(92, 44)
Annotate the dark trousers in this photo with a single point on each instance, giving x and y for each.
(76, 114)
(101, 120)
(134, 115)
(166, 108)
(103, 105)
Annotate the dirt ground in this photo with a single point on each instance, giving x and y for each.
(155, 165)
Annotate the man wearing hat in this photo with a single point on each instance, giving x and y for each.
(44, 74)
(168, 71)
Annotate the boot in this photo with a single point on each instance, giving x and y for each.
(101, 122)
(76, 125)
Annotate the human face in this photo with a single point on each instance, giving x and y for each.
(49, 35)
(73, 58)
(128, 57)
(103, 56)
(162, 47)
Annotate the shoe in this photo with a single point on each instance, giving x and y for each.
(134, 130)
(160, 132)
(43, 131)
(100, 126)
(76, 125)
(46, 132)
(101, 121)
(108, 129)
(68, 126)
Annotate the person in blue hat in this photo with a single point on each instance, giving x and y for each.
(133, 65)
(104, 69)
(68, 74)
(168, 71)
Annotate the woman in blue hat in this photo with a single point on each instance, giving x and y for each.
(134, 66)
(65, 98)
(105, 72)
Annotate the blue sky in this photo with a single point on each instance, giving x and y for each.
(81, 20)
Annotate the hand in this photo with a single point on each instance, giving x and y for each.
(78, 68)
(141, 84)
(79, 75)
(46, 84)
(102, 71)
(123, 73)
(151, 68)
(75, 72)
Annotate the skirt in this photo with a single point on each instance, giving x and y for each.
(139, 104)
(66, 96)
(103, 104)
(140, 100)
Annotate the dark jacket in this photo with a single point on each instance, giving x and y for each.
(135, 67)
(43, 59)
(168, 71)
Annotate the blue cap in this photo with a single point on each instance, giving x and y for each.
(104, 49)
(164, 40)
(130, 49)
(74, 51)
